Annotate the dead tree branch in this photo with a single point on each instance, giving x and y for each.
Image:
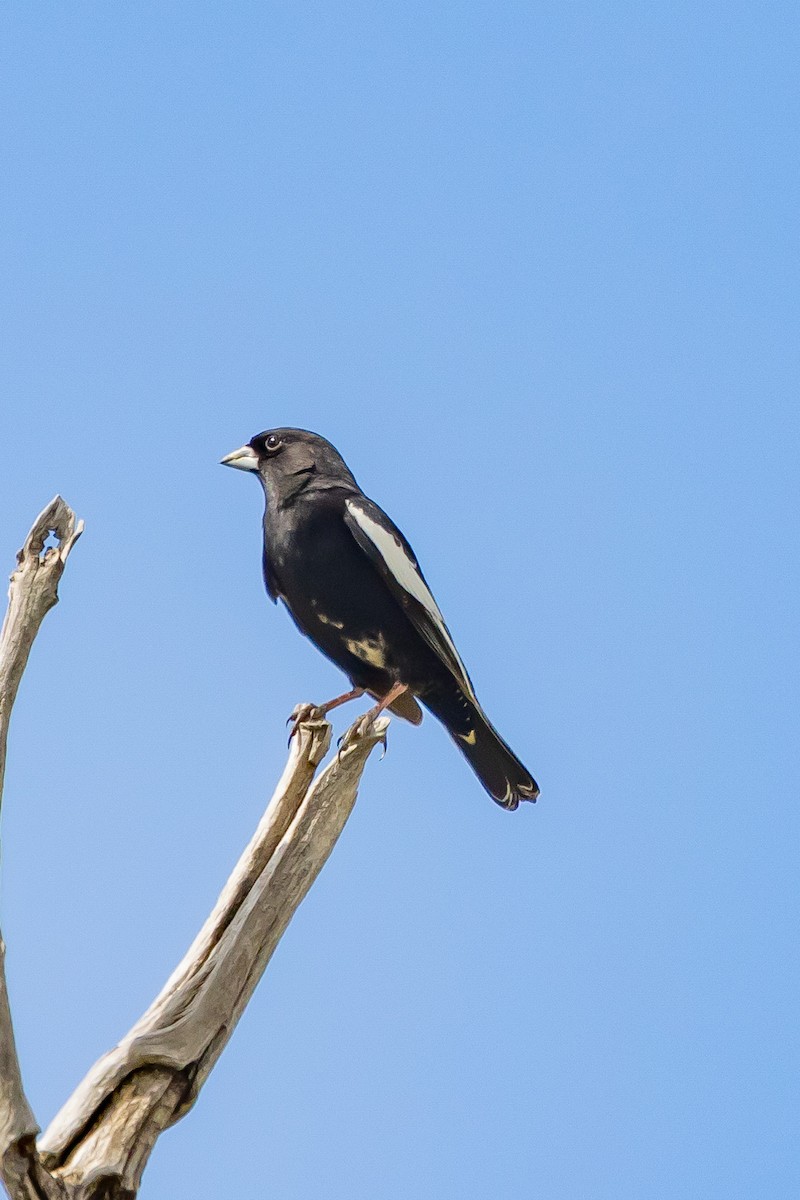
(99, 1144)
(32, 593)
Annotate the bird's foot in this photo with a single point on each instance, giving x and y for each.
(372, 721)
(368, 721)
(302, 713)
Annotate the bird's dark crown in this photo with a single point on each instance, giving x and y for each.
(289, 452)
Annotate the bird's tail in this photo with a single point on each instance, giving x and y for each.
(502, 774)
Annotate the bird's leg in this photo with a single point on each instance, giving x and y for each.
(305, 712)
(393, 693)
(397, 689)
(354, 694)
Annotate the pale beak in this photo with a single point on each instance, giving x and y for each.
(244, 459)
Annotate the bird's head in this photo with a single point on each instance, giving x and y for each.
(288, 461)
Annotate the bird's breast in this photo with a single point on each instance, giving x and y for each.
(338, 599)
(325, 580)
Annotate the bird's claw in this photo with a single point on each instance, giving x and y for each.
(299, 714)
(350, 736)
(359, 730)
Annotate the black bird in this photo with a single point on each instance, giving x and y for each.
(353, 586)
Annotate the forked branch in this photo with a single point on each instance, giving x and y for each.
(99, 1143)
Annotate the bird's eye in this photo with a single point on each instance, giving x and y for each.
(272, 442)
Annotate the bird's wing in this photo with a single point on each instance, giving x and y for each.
(391, 554)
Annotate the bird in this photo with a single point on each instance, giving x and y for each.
(353, 586)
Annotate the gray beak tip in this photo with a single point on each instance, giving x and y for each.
(243, 459)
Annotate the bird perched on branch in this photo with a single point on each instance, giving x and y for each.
(353, 586)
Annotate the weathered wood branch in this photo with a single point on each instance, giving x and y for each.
(32, 593)
(98, 1145)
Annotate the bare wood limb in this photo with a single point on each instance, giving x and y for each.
(153, 1076)
(32, 593)
(98, 1145)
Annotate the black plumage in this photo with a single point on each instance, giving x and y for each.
(353, 586)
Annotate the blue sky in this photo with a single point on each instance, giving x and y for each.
(534, 272)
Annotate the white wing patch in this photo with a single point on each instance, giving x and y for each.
(404, 571)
